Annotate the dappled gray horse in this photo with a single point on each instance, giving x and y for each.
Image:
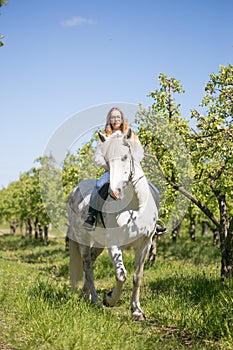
(129, 217)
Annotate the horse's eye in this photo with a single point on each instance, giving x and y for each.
(124, 157)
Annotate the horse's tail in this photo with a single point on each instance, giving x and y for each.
(76, 264)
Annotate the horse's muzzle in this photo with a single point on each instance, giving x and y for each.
(114, 194)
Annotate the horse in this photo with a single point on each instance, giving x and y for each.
(128, 219)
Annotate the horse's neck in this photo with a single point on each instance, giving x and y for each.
(143, 193)
(139, 213)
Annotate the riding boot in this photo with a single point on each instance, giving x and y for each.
(96, 203)
(89, 223)
(160, 229)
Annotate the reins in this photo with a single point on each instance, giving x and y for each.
(132, 169)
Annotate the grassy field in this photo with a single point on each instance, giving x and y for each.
(186, 304)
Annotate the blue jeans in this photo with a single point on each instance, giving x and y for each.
(98, 197)
(102, 180)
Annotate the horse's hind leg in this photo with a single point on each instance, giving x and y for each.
(95, 252)
(111, 298)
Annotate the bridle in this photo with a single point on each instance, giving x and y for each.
(131, 172)
(132, 169)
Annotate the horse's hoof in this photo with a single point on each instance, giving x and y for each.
(139, 317)
(97, 304)
(86, 295)
(105, 298)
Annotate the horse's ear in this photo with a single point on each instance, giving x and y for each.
(129, 134)
(102, 136)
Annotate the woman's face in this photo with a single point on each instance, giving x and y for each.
(116, 119)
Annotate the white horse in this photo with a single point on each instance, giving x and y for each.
(129, 217)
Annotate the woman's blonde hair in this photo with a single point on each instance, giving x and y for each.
(124, 126)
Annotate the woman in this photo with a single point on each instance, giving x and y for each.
(115, 123)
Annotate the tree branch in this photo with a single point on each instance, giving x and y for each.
(187, 194)
(231, 225)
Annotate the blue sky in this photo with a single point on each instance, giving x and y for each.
(62, 57)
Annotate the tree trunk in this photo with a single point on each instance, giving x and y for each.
(28, 228)
(46, 236)
(170, 99)
(21, 227)
(40, 232)
(226, 238)
(192, 227)
(13, 227)
(176, 224)
(204, 228)
(216, 237)
(36, 228)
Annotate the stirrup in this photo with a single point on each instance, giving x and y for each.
(160, 229)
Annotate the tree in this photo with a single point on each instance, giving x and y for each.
(2, 2)
(21, 201)
(161, 131)
(79, 166)
(52, 192)
(210, 149)
(39, 196)
(212, 152)
(10, 202)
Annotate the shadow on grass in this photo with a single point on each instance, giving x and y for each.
(200, 251)
(42, 256)
(12, 243)
(192, 288)
(31, 250)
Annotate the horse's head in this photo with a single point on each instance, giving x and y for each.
(117, 153)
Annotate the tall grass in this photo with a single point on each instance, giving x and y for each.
(186, 303)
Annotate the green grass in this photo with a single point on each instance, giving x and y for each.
(186, 303)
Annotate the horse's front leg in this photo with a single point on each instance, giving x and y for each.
(111, 298)
(85, 252)
(140, 256)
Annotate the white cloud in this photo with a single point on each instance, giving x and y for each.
(76, 21)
